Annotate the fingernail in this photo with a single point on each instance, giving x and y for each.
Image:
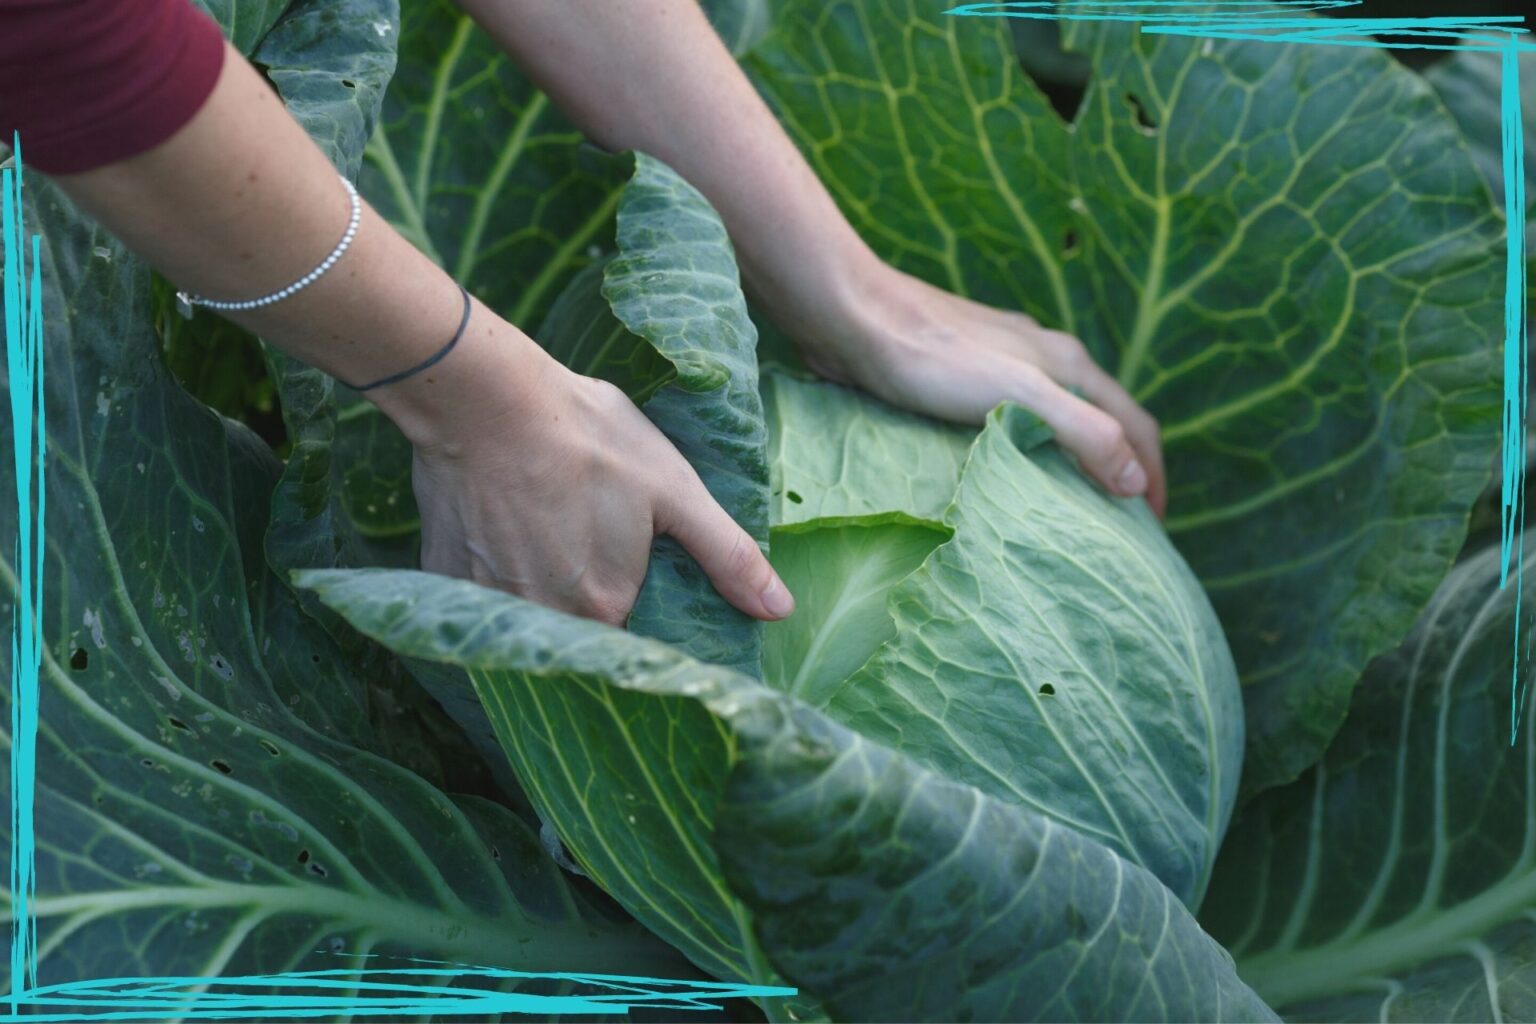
(1132, 479)
(777, 600)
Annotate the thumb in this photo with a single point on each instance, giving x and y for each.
(727, 553)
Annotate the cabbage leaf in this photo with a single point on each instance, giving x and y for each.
(1138, 746)
(1283, 251)
(884, 890)
(211, 792)
(1396, 880)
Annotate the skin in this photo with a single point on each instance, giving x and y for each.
(532, 478)
(652, 75)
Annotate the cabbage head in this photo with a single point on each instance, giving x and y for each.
(1003, 692)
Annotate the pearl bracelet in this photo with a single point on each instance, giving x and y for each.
(186, 300)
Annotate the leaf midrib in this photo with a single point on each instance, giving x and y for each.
(464, 937)
(440, 885)
(864, 581)
(435, 105)
(1422, 934)
(1288, 977)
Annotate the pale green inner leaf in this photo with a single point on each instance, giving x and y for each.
(841, 573)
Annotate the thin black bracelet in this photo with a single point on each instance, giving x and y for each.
(433, 360)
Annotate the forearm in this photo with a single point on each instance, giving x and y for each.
(652, 75)
(240, 203)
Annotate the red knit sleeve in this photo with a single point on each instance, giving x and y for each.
(91, 82)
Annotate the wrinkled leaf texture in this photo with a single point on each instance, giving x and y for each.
(883, 889)
(1470, 83)
(1283, 251)
(1396, 880)
(1137, 750)
(207, 802)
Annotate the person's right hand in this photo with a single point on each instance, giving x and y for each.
(557, 491)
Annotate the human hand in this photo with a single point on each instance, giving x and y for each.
(656, 78)
(927, 350)
(557, 492)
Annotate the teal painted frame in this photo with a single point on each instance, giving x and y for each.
(319, 993)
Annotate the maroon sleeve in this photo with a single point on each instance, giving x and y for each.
(91, 82)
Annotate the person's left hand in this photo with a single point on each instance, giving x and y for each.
(927, 350)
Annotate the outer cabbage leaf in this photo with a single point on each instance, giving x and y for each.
(331, 64)
(1396, 880)
(191, 821)
(674, 284)
(330, 60)
(245, 22)
(473, 164)
(1469, 83)
(1283, 251)
(220, 362)
(884, 890)
(584, 335)
(741, 24)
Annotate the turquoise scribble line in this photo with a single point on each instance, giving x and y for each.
(442, 988)
(1271, 21)
(376, 992)
(327, 993)
(23, 301)
(1516, 356)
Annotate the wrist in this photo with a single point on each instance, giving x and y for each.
(811, 279)
(841, 316)
(494, 374)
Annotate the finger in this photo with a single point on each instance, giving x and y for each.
(1140, 429)
(1096, 438)
(1067, 361)
(727, 553)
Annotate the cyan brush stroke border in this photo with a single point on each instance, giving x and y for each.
(1272, 21)
(156, 998)
(23, 302)
(412, 989)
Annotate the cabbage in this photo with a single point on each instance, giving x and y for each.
(982, 637)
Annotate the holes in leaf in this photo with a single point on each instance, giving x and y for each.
(303, 856)
(222, 766)
(147, 762)
(794, 497)
(1047, 690)
(349, 84)
(316, 870)
(315, 658)
(495, 854)
(1145, 122)
(177, 723)
(1071, 245)
(271, 748)
(79, 660)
